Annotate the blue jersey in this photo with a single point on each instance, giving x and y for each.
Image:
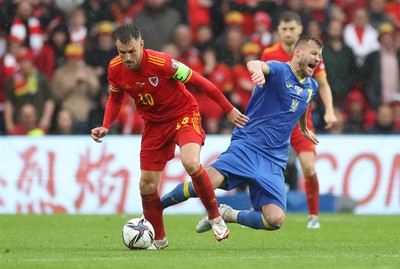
(274, 111)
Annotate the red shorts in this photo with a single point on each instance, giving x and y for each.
(297, 139)
(159, 140)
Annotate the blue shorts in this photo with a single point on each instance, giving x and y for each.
(264, 178)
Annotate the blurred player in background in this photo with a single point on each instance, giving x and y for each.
(258, 153)
(156, 82)
(289, 30)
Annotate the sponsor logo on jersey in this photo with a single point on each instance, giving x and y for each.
(153, 81)
(298, 89)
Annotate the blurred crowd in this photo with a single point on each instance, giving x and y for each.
(54, 56)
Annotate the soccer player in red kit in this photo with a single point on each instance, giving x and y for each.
(156, 83)
(289, 30)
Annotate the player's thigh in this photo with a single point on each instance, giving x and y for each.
(269, 187)
(190, 138)
(237, 163)
(157, 146)
(307, 161)
(188, 129)
(190, 153)
(301, 144)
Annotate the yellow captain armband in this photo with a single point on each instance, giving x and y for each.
(183, 72)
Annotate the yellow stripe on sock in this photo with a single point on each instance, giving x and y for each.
(266, 224)
(186, 189)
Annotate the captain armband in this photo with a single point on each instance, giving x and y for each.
(183, 72)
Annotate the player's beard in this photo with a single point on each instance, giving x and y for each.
(305, 70)
(131, 65)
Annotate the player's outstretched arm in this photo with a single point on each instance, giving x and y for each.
(234, 115)
(113, 106)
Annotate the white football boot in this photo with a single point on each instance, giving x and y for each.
(218, 225)
(313, 223)
(159, 244)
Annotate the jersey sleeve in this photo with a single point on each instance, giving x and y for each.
(320, 71)
(114, 100)
(275, 67)
(198, 81)
(181, 72)
(113, 74)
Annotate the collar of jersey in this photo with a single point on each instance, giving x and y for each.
(294, 72)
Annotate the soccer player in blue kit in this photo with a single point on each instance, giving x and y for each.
(258, 153)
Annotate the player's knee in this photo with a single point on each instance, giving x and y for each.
(147, 186)
(191, 165)
(308, 170)
(275, 220)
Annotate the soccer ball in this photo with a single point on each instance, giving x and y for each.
(138, 233)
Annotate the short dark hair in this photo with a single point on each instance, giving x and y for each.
(126, 33)
(289, 16)
(304, 40)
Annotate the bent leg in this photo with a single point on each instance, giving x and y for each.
(270, 218)
(179, 194)
(190, 155)
(185, 190)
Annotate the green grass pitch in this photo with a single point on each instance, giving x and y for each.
(94, 241)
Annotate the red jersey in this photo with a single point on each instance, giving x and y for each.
(159, 96)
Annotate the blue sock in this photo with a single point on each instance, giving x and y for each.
(256, 220)
(181, 193)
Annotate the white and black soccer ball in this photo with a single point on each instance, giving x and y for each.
(138, 233)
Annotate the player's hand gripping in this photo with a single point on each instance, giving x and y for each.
(237, 118)
(310, 136)
(98, 133)
(329, 119)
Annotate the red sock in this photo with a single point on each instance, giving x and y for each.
(152, 211)
(312, 192)
(205, 191)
